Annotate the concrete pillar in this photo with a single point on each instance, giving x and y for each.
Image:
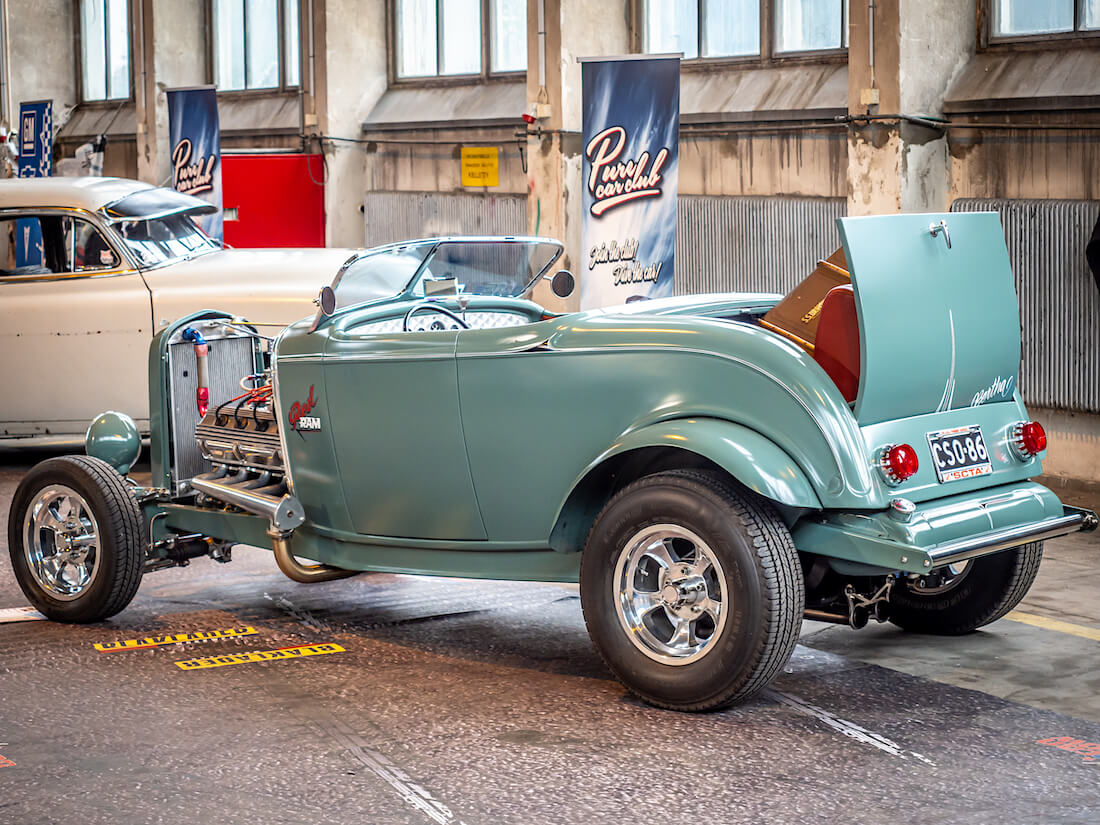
(919, 48)
(573, 28)
(350, 72)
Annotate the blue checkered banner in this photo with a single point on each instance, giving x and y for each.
(35, 139)
(196, 149)
(631, 132)
(35, 161)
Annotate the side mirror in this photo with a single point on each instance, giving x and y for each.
(326, 300)
(563, 283)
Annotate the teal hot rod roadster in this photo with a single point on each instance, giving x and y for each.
(708, 481)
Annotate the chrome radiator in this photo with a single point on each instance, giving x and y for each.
(232, 357)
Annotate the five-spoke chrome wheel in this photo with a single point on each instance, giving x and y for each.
(61, 542)
(669, 595)
(76, 539)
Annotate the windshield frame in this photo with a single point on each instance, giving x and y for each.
(433, 245)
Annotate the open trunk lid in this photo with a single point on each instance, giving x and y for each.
(938, 315)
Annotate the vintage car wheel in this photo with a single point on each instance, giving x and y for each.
(980, 592)
(75, 539)
(691, 590)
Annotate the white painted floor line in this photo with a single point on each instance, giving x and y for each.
(413, 794)
(19, 614)
(849, 729)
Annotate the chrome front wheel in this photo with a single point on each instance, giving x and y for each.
(669, 594)
(61, 542)
(76, 539)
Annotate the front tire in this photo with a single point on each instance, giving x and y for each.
(980, 593)
(691, 590)
(75, 539)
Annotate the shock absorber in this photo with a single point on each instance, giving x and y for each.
(202, 350)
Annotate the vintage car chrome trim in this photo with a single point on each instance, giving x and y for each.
(287, 472)
(1049, 528)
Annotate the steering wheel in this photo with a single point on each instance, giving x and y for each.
(434, 308)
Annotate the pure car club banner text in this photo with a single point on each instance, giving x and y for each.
(196, 149)
(631, 133)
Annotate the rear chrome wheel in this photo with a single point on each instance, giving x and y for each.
(669, 601)
(75, 539)
(691, 589)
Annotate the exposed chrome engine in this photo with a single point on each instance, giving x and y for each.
(242, 433)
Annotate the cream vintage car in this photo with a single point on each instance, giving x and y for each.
(92, 268)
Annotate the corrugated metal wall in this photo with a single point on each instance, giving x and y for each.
(768, 244)
(401, 216)
(1059, 303)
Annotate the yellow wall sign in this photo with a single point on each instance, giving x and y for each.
(175, 639)
(480, 166)
(258, 656)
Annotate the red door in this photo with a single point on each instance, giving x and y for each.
(273, 200)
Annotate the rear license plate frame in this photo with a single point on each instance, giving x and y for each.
(956, 469)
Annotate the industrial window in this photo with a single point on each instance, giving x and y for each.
(256, 44)
(1024, 18)
(731, 28)
(434, 38)
(105, 49)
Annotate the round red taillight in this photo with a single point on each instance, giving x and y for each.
(898, 463)
(1031, 438)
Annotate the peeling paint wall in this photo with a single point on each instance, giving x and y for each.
(1027, 164)
(810, 163)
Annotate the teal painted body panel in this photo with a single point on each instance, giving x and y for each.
(939, 327)
(393, 408)
(878, 540)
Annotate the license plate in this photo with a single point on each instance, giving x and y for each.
(959, 453)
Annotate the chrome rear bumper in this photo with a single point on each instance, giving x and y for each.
(1072, 521)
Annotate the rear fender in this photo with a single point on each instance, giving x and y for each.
(754, 460)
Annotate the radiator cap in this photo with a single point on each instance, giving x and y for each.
(113, 437)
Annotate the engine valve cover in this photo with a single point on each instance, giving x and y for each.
(244, 436)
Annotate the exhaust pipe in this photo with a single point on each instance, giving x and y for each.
(285, 512)
(304, 573)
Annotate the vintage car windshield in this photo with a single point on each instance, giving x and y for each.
(381, 274)
(481, 266)
(158, 240)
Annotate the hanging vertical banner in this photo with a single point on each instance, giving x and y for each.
(631, 134)
(35, 138)
(196, 149)
(35, 159)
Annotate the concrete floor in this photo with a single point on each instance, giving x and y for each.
(481, 702)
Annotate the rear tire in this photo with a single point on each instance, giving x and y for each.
(75, 539)
(986, 590)
(691, 590)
